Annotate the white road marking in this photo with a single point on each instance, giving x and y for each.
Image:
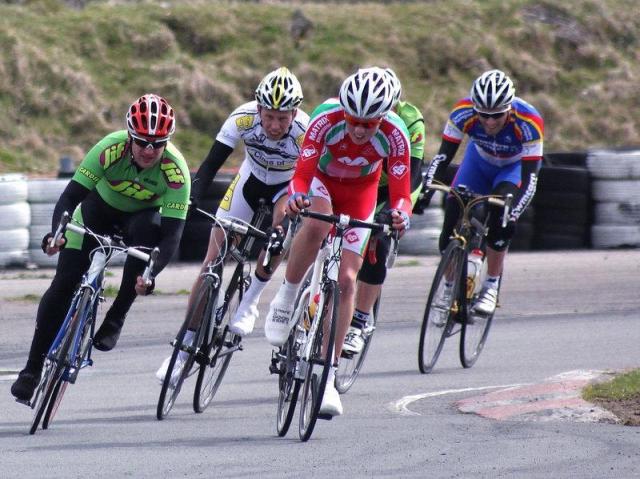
(401, 406)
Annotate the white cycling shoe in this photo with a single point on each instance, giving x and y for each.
(331, 404)
(278, 323)
(486, 303)
(245, 318)
(353, 342)
(177, 369)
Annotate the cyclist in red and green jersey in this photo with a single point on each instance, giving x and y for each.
(133, 182)
(338, 173)
(374, 269)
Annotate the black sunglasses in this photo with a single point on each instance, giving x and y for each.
(154, 144)
(495, 116)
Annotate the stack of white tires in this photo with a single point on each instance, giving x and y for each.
(14, 220)
(616, 194)
(43, 196)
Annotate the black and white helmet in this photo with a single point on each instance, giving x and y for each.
(368, 93)
(279, 90)
(395, 82)
(492, 91)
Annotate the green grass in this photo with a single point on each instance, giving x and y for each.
(621, 387)
(67, 75)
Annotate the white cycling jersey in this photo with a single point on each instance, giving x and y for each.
(271, 161)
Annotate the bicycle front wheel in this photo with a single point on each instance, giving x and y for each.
(199, 315)
(50, 390)
(318, 364)
(217, 351)
(442, 306)
(350, 364)
(289, 359)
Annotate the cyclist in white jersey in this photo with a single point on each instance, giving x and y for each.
(272, 128)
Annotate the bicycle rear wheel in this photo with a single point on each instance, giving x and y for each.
(441, 307)
(48, 395)
(475, 331)
(200, 314)
(219, 347)
(350, 364)
(288, 384)
(319, 363)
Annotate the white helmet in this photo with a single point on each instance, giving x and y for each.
(492, 91)
(279, 90)
(368, 93)
(395, 82)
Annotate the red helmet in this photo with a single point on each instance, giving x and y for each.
(150, 117)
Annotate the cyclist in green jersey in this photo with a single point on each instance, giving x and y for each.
(133, 182)
(374, 270)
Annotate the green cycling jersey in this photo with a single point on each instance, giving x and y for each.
(109, 169)
(414, 122)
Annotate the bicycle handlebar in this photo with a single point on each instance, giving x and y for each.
(343, 221)
(505, 201)
(235, 226)
(149, 258)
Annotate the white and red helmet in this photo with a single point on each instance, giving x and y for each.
(151, 117)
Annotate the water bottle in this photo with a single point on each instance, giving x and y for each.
(474, 270)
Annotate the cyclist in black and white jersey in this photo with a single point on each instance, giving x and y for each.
(272, 128)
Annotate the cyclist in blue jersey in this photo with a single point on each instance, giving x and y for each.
(503, 156)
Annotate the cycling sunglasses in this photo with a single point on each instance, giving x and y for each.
(153, 144)
(353, 121)
(495, 116)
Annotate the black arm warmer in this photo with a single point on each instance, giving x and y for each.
(71, 197)
(218, 154)
(171, 231)
(529, 170)
(416, 172)
(439, 163)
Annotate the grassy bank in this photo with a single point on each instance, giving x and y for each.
(67, 75)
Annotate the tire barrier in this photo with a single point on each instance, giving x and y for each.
(562, 208)
(15, 217)
(583, 199)
(43, 195)
(616, 197)
(195, 237)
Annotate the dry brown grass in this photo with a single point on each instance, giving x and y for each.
(67, 75)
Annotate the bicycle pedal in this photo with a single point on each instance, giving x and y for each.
(325, 417)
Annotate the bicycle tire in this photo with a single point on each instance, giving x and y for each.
(474, 334)
(350, 365)
(314, 383)
(437, 322)
(171, 389)
(288, 388)
(54, 368)
(83, 350)
(288, 384)
(219, 347)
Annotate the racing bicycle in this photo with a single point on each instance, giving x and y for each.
(71, 349)
(210, 352)
(458, 281)
(304, 360)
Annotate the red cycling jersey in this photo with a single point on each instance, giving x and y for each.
(327, 147)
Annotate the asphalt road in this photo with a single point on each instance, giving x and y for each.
(561, 312)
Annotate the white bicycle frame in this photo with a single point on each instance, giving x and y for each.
(331, 248)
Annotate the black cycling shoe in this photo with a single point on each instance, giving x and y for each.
(25, 385)
(107, 335)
